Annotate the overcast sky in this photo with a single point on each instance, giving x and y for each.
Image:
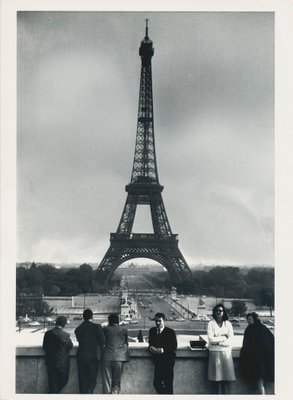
(78, 86)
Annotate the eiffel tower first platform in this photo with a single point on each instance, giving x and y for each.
(145, 189)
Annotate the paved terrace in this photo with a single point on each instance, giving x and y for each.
(190, 368)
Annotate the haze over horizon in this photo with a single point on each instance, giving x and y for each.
(143, 264)
(78, 85)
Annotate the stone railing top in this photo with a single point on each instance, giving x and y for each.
(30, 344)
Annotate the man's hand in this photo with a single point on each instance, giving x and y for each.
(156, 350)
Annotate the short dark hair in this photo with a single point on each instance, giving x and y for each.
(254, 316)
(225, 315)
(113, 319)
(160, 315)
(87, 314)
(61, 321)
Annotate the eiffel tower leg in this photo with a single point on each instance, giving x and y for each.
(178, 268)
(111, 261)
(127, 218)
(159, 216)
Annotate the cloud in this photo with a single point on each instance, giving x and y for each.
(77, 250)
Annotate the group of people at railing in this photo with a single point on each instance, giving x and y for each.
(108, 347)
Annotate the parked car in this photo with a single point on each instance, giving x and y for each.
(202, 317)
(34, 323)
(50, 321)
(180, 319)
(268, 322)
(134, 321)
(268, 326)
(234, 320)
(236, 323)
(25, 319)
(77, 318)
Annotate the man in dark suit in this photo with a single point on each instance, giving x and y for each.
(91, 340)
(115, 355)
(163, 345)
(57, 344)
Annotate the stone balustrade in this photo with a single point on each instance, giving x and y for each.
(190, 372)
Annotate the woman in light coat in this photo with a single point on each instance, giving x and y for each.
(220, 334)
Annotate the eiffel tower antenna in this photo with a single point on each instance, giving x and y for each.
(144, 189)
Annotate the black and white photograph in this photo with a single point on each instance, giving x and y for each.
(145, 237)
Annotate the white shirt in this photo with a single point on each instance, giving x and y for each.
(160, 330)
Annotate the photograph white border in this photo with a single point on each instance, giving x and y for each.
(283, 170)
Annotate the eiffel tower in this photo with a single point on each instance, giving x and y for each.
(145, 189)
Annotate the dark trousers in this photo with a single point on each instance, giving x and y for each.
(111, 376)
(57, 377)
(87, 375)
(164, 376)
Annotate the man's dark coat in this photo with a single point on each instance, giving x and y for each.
(57, 344)
(91, 340)
(164, 362)
(166, 340)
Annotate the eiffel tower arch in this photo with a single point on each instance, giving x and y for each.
(144, 189)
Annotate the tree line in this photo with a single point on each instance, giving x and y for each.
(230, 282)
(45, 279)
(219, 281)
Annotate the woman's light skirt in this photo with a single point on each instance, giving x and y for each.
(221, 367)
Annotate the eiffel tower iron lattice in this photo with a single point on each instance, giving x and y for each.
(145, 189)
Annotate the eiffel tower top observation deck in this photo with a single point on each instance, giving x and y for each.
(145, 189)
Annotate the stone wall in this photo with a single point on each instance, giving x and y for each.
(190, 372)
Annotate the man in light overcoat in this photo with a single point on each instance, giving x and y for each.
(115, 355)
